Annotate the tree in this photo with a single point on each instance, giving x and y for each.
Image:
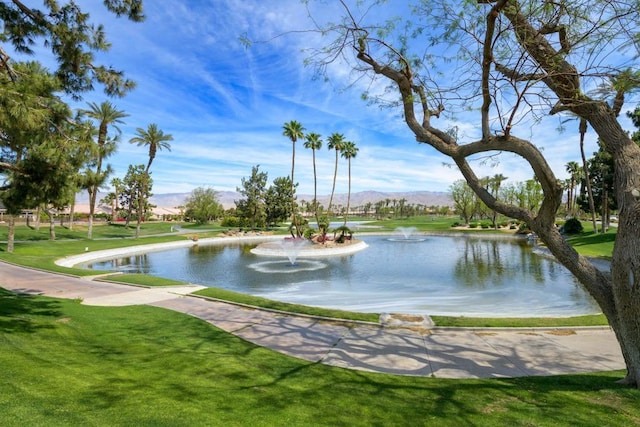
(600, 169)
(635, 118)
(516, 60)
(495, 182)
(95, 176)
(277, 201)
(66, 31)
(294, 131)
(251, 208)
(202, 205)
(464, 200)
(135, 194)
(335, 142)
(349, 151)
(41, 147)
(574, 170)
(154, 138)
(314, 142)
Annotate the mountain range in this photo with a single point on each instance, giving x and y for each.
(228, 198)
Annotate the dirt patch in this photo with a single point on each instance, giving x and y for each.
(562, 332)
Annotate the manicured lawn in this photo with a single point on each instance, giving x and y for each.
(595, 245)
(68, 364)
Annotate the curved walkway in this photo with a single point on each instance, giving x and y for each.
(440, 352)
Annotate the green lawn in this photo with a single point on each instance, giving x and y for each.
(68, 364)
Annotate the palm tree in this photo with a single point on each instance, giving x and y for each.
(349, 151)
(335, 142)
(107, 115)
(585, 168)
(117, 190)
(314, 142)
(574, 171)
(154, 138)
(294, 131)
(494, 185)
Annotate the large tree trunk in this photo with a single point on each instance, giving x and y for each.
(72, 213)
(92, 204)
(625, 264)
(11, 232)
(52, 224)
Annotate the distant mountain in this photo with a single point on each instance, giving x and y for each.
(228, 198)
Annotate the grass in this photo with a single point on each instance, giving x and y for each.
(68, 364)
(421, 223)
(226, 295)
(525, 322)
(594, 245)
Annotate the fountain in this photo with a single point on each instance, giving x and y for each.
(407, 235)
(292, 247)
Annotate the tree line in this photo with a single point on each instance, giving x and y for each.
(44, 144)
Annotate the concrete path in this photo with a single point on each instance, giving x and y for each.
(441, 352)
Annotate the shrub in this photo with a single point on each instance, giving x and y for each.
(572, 226)
(473, 225)
(230, 221)
(486, 224)
(455, 224)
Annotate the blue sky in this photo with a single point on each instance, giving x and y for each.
(225, 105)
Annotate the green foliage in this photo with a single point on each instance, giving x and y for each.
(572, 226)
(41, 150)
(202, 205)
(230, 221)
(277, 200)
(135, 194)
(464, 199)
(154, 138)
(67, 32)
(251, 208)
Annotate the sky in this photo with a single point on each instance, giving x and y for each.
(225, 104)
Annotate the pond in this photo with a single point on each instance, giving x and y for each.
(436, 275)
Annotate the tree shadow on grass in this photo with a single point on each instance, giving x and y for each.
(21, 313)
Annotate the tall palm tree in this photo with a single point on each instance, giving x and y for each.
(349, 151)
(582, 128)
(314, 142)
(154, 138)
(107, 115)
(574, 171)
(335, 142)
(494, 186)
(294, 131)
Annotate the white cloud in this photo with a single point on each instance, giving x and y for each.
(225, 104)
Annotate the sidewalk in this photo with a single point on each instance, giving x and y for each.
(441, 353)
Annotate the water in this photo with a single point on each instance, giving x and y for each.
(438, 276)
(292, 247)
(407, 235)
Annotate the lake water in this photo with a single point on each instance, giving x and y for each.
(439, 275)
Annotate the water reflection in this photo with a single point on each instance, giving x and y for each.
(442, 275)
